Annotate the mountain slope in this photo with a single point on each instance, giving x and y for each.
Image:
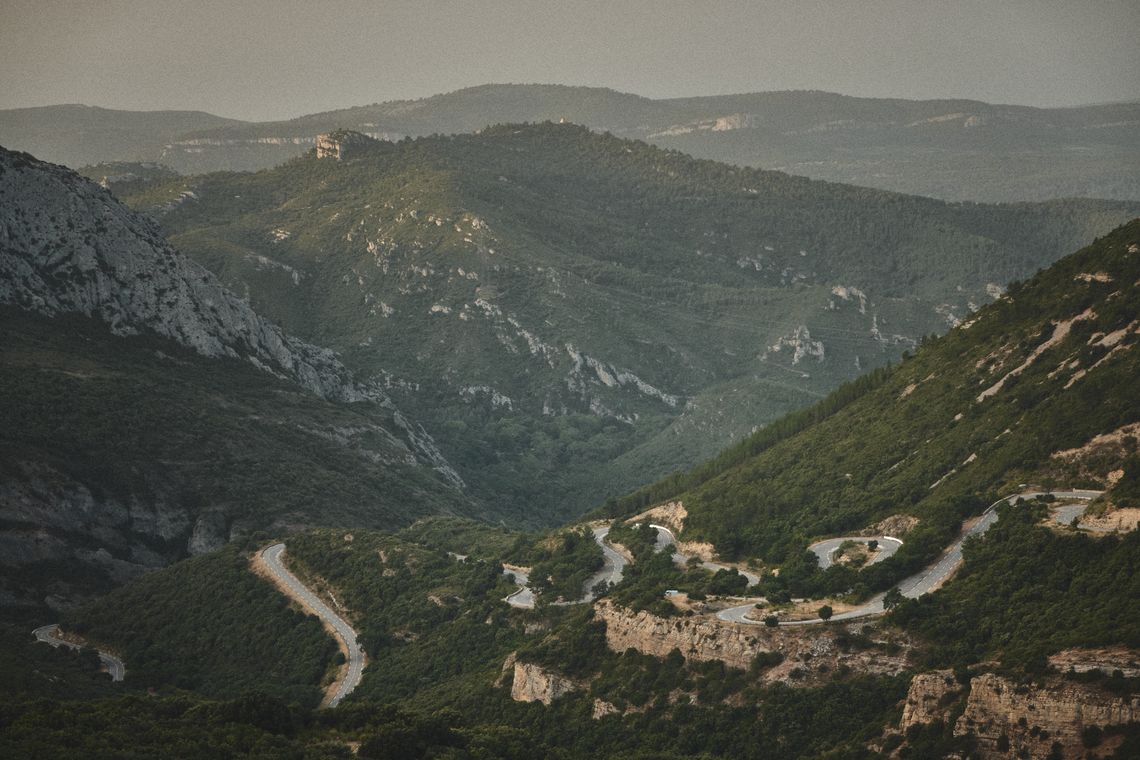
(150, 413)
(572, 314)
(1018, 394)
(954, 149)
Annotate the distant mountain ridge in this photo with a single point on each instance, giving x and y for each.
(78, 134)
(954, 149)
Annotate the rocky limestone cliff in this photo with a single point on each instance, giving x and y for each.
(52, 518)
(343, 144)
(1031, 717)
(929, 698)
(810, 653)
(67, 245)
(533, 683)
(997, 706)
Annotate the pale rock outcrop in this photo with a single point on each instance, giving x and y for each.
(533, 683)
(927, 700)
(1105, 659)
(602, 708)
(1031, 717)
(343, 144)
(801, 344)
(895, 525)
(998, 706)
(810, 653)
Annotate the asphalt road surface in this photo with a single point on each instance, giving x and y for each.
(923, 582)
(49, 634)
(666, 537)
(524, 597)
(613, 566)
(825, 550)
(299, 592)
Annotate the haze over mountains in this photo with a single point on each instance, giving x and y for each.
(953, 149)
(542, 421)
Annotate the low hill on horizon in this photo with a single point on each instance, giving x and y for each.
(954, 149)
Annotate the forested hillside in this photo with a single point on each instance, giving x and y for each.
(209, 625)
(1012, 396)
(571, 314)
(195, 452)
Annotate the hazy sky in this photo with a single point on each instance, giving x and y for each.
(262, 59)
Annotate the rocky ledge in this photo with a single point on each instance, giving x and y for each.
(1042, 719)
(807, 654)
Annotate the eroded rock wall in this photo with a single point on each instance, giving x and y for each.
(533, 683)
(810, 653)
(1010, 719)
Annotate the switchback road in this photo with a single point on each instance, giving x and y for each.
(825, 550)
(666, 537)
(613, 565)
(925, 581)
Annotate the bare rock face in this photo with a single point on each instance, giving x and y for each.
(1031, 718)
(998, 706)
(533, 683)
(67, 245)
(927, 699)
(699, 640)
(51, 517)
(602, 708)
(1105, 659)
(343, 144)
(209, 533)
(810, 653)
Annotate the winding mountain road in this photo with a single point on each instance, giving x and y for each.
(613, 564)
(50, 635)
(825, 550)
(666, 537)
(343, 632)
(613, 567)
(929, 579)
